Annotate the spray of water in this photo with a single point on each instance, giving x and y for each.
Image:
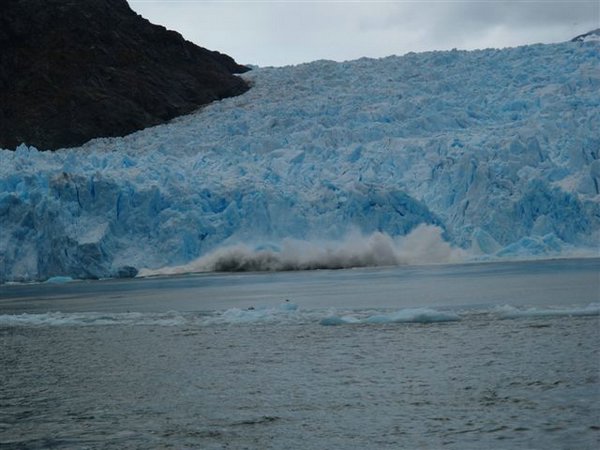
(424, 245)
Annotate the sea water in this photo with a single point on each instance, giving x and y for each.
(496, 355)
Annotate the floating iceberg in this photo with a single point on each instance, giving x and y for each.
(496, 150)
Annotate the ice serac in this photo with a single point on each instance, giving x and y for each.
(495, 152)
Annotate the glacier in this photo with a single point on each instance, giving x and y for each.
(434, 157)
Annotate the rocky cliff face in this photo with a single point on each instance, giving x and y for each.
(73, 70)
(593, 35)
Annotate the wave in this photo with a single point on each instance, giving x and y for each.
(511, 312)
(290, 313)
(171, 318)
(413, 315)
(285, 313)
(424, 245)
(59, 280)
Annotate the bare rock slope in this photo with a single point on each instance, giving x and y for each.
(73, 70)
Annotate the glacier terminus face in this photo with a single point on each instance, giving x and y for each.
(431, 157)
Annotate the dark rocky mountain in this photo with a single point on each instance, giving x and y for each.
(593, 35)
(73, 70)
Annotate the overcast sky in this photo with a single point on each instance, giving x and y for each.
(276, 32)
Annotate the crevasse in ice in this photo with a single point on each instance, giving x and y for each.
(496, 151)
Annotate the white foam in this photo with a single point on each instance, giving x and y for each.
(59, 280)
(411, 315)
(283, 313)
(511, 312)
(91, 319)
(286, 314)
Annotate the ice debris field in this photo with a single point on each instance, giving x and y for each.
(431, 157)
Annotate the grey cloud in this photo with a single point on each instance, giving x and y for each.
(279, 33)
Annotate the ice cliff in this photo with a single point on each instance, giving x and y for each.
(491, 153)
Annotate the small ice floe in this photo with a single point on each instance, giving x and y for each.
(411, 315)
(59, 280)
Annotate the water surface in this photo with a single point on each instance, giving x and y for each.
(501, 355)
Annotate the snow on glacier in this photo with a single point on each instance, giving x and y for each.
(492, 153)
